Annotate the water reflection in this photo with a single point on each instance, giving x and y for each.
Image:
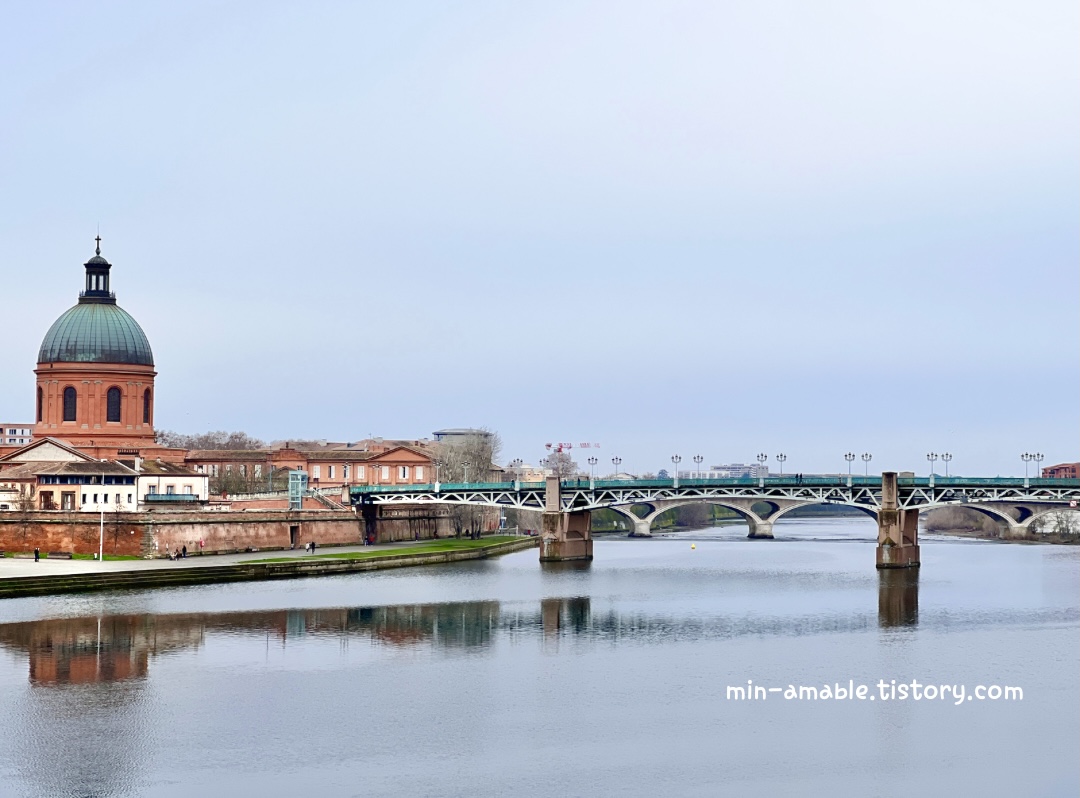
(898, 597)
(122, 647)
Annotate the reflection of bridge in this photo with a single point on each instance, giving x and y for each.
(113, 648)
(893, 501)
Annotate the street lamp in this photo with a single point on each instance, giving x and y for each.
(592, 469)
(676, 459)
(1027, 458)
(101, 520)
(761, 458)
(698, 459)
(850, 457)
(932, 456)
(945, 458)
(465, 467)
(866, 458)
(615, 461)
(781, 459)
(1038, 458)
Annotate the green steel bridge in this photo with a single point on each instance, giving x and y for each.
(893, 500)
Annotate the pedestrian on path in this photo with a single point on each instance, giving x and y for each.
(185, 551)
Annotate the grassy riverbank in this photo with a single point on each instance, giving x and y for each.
(449, 544)
(156, 573)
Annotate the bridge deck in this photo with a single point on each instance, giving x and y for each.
(768, 482)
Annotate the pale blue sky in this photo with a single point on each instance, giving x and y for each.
(668, 227)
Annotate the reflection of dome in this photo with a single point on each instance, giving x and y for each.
(96, 333)
(96, 330)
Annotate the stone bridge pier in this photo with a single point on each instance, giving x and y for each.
(564, 536)
(898, 530)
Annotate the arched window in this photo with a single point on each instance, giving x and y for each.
(146, 406)
(112, 404)
(70, 403)
(40, 403)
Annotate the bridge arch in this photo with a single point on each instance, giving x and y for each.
(760, 523)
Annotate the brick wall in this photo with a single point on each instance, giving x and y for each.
(154, 533)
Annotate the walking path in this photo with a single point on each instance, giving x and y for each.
(10, 567)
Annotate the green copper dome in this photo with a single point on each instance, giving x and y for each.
(96, 330)
(96, 333)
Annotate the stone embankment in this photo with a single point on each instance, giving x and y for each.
(184, 575)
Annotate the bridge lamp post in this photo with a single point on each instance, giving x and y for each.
(465, 466)
(866, 458)
(592, 472)
(515, 465)
(932, 457)
(676, 459)
(761, 458)
(698, 459)
(1027, 458)
(1038, 458)
(781, 459)
(945, 458)
(616, 461)
(850, 457)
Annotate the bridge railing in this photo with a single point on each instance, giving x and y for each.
(785, 481)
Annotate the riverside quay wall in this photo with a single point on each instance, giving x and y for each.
(151, 534)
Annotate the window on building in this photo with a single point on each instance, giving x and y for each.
(187, 490)
(214, 470)
(243, 470)
(112, 404)
(403, 473)
(361, 472)
(95, 498)
(385, 473)
(105, 498)
(129, 498)
(40, 403)
(419, 473)
(330, 472)
(228, 468)
(170, 490)
(201, 469)
(146, 406)
(345, 471)
(151, 489)
(70, 403)
(257, 471)
(316, 472)
(84, 498)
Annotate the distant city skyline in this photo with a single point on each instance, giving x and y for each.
(688, 228)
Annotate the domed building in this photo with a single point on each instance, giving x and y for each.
(95, 371)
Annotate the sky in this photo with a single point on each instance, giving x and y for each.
(715, 228)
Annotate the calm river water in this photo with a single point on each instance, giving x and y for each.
(502, 678)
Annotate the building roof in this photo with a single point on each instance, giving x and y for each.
(26, 453)
(95, 467)
(96, 333)
(226, 455)
(96, 330)
(161, 468)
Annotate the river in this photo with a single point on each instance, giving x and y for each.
(497, 678)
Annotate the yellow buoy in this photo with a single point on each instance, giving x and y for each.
(693, 545)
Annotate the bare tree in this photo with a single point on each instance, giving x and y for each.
(562, 465)
(209, 440)
(468, 458)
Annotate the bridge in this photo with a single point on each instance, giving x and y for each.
(894, 501)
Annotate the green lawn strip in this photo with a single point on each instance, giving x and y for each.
(423, 548)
